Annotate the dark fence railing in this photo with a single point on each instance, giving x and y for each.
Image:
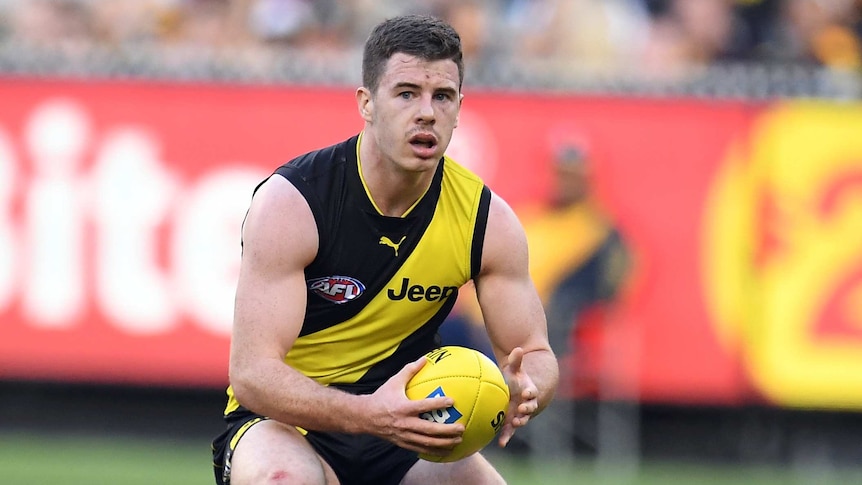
(744, 80)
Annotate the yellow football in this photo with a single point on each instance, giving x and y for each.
(476, 385)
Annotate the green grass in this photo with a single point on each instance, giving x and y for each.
(520, 471)
(74, 460)
(48, 460)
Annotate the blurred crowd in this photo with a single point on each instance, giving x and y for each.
(648, 38)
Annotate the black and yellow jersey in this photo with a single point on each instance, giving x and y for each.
(380, 286)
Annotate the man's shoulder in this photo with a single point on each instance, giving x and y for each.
(324, 157)
(457, 168)
(303, 169)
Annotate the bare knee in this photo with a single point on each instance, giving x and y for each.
(276, 475)
(474, 469)
(294, 471)
(270, 453)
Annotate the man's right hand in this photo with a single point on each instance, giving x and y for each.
(395, 417)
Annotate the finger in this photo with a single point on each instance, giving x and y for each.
(520, 421)
(420, 438)
(431, 404)
(505, 435)
(445, 431)
(516, 356)
(528, 408)
(530, 392)
(436, 445)
(408, 371)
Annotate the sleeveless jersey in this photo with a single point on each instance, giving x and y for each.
(380, 286)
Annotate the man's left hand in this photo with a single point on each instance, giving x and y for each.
(523, 401)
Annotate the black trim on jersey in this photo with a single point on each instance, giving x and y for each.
(479, 232)
(245, 217)
(319, 177)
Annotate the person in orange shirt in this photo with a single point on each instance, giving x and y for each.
(577, 256)
(578, 262)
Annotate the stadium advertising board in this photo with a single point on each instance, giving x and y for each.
(121, 205)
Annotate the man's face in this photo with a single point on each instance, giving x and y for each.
(414, 111)
(572, 177)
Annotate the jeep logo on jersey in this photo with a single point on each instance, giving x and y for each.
(337, 289)
(446, 416)
(419, 292)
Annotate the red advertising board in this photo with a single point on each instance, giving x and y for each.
(121, 203)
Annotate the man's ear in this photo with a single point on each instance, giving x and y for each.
(460, 103)
(364, 103)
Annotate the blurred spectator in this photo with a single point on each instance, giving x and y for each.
(575, 36)
(206, 24)
(471, 19)
(464, 325)
(120, 23)
(579, 263)
(281, 20)
(577, 257)
(62, 24)
(823, 32)
(691, 34)
(554, 40)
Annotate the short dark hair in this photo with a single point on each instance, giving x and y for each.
(422, 36)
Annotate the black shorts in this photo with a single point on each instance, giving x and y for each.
(356, 459)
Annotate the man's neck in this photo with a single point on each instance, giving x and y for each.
(393, 191)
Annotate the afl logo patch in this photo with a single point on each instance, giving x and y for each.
(337, 289)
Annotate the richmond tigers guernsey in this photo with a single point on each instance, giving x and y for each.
(380, 286)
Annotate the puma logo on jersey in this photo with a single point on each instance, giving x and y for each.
(419, 292)
(388, 242)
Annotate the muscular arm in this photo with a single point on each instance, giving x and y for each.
(279, 241)
(514, 317)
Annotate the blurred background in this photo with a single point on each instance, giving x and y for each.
(689, 173)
